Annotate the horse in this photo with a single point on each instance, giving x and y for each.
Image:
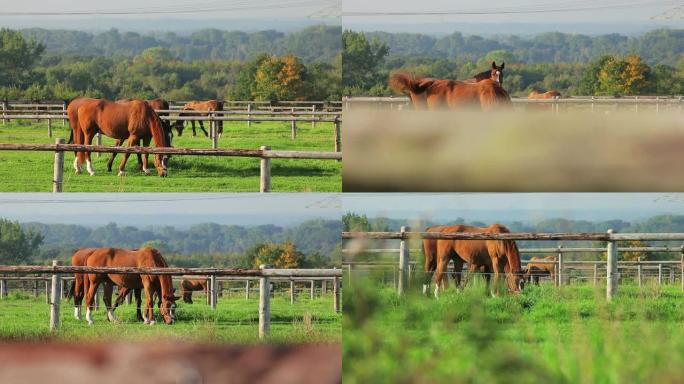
(495, 73)
(552, 94)
(141, 258)
(209, 105)
(535, 270)
(496, 256)
(156, 104)
(190, 285)
(77, 286)
(134, 120)
(434, 94)
(430, 253)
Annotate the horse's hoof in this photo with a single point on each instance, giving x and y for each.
(90, 323)
(152, 322)
(147, 172)
(91, 173)
(122, 173)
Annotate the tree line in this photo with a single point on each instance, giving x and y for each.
(313, 243)
(612, 65)
(32, 70)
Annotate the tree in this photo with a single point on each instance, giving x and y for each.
(351, 222)
(626, 76)
(17, 57)
(17, 246)
(244, 83)
(361, 61)
(284, 255)
(279, 78)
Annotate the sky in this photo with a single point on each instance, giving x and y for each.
(507, 207)
(176, 209)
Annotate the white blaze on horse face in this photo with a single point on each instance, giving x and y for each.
(89, 166)
(498, 76)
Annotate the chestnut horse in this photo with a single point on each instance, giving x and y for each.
(190, 285)
(544, 95)
(77, 290)
(430, 253)
(142, 258)
(495, 73)
(536, 270)
(209, 105)
(433, 94)
(156, 104)
(496, 256)
(134, 120)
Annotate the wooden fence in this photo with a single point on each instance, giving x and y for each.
(264, 153)
(611, 238)
(264, 275)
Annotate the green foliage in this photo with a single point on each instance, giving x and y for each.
(361, 60)
(352, 222)
(17, 245)
(284, 255)
(17, 58)
(279, 78)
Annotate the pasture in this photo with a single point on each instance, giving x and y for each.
(33, 171)
(545, 334)
(235, 321)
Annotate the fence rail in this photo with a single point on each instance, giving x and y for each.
(264, 153)
(264, 275)
(610, 237)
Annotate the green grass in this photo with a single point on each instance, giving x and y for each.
(33, 171)
(23, 317)
(544, 335)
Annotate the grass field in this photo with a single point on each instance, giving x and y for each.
(23, 317)
(544, 335)
(32, 171)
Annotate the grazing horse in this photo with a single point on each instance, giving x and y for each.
(190, 285)
(496, 256)
(209, 105)
(430, 253)
(141, 258)
(433, 94)
(156, 104)
(536, 270)
(134, 120)
(552, 94)
(495, 73)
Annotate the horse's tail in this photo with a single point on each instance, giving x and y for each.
(404, 83)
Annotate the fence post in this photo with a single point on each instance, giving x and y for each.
(336, 294)
(639, 272)
(682, 271)
(35, 288)
(292, 292)
(403, 261)
(249, 115)
(338, 141)
(4, 114)
(214, 129)
(98, 137)
(595, 274)
(247, 289)
(220, 289)
(313, 116)
(55, 298)
(47, 291)
(64, 111)
(3, 289)
(324, 287)
(560, 266)
(660, 275)
(264, 305)
(313, 290)
(611, 272)
(265, 174)
(58, 172)
(293, 124)
(49, 121)
(671, 279)
(212, 291)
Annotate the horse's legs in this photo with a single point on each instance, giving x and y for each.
(440, 274)
(132, 141)
(497, 272)
(149, 302)
(145, 143)
(78, 295)
(193, 128)
(88, 140)
(107, 298)
(92, 283)
(202, 128)
(138, 303)
(458, 271)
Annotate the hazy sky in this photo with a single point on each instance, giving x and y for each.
(175, 209)
(506, 207)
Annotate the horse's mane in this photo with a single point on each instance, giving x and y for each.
(483, 75)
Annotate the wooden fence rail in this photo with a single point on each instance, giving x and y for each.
(610, 237)
(264, 153)
(263, 274)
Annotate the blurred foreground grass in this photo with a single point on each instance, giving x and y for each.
(544, 335)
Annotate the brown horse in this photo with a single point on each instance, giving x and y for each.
(156, 104)
(430, 253)
(544, 95)
(491, 255)
(142, 258)
(433, 94)
(77, 290)
(536, 270)
(190, 285)
(495, 73)
(209, 105)
(134, 120)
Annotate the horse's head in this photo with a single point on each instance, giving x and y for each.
(497, 72)
(515, 282)
(179, 125)
(160, 163)
(168, 308)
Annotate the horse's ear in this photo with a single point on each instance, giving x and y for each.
(502, 65)
(493, 64)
